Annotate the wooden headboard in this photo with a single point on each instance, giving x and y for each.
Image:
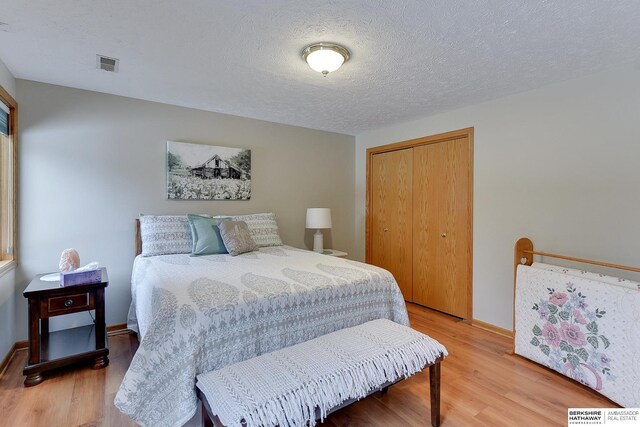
(138, 238)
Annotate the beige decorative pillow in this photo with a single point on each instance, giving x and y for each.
(165, 234)
(263, 228)
(236, 237)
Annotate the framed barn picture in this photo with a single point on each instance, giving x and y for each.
(207, 172)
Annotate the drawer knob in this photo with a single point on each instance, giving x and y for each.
(443, 235)
(68, 303)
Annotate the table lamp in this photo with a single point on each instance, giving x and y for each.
(318, 218)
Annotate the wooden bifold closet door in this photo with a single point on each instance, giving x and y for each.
(440, 234)
(419, 219)
(391, 205)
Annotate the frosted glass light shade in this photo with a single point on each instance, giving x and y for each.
(325, 61)
(318, 218)
(325, 57)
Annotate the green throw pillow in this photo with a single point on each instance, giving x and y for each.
(206, 235)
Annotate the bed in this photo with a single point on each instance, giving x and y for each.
(198, 314)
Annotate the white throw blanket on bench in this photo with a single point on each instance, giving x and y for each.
(284, 387)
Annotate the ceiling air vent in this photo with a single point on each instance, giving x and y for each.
(107, 64)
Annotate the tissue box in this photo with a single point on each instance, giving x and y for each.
(72, 278)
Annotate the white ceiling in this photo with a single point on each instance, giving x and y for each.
(409, 58)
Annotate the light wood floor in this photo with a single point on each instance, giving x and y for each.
(481, 385)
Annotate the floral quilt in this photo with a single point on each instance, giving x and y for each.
(199, 314)
(581, 327)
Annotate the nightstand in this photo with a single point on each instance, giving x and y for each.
(333, 252)
(67, 347)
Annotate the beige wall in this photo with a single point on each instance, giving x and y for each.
(90, 163)
(7, 312)
(558, 164)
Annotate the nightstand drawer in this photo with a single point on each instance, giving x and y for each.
(69, 303)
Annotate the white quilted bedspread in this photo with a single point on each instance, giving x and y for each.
(581, 327)
(198, 314)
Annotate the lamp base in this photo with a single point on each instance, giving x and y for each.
(318, 241)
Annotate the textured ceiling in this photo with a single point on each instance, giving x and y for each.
(409, 58)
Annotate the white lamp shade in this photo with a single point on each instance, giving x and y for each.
(318, 218)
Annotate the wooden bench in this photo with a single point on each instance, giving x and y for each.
(308, 381)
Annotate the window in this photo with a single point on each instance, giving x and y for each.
(8, 151)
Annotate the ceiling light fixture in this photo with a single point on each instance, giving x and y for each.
(325, 58)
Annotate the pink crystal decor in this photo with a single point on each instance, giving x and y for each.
(69, 260)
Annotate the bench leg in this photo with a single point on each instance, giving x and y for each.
(206, 419)
(434, 383)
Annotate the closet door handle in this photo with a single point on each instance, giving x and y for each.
(385, 230)
(443, 235)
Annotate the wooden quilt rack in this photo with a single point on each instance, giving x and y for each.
(523, 255)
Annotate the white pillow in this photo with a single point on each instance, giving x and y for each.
(262, 227)
(165, 234)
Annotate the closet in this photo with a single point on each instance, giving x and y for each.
(419, 218)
